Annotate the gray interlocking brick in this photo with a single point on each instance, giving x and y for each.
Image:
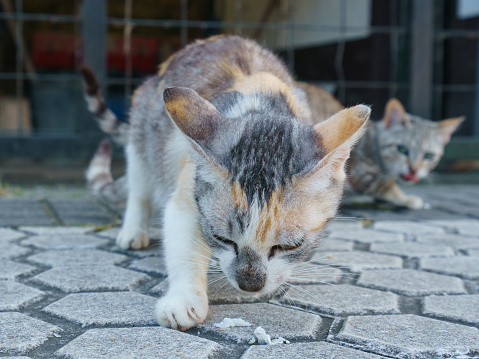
(12, 250)
(12, 270)
(321, 350)
(411, 282)
(333, 244)
(452, 240)
(7, 234)
(454, 307)
(276, 321)
(469, 231)
(407, 227)
(108, 308)
(463, 266)
(21, 211)
(310, 273)
(412, 249)
(344, 225)
(150, 264)
(80, 211)
(57, 231)
(71, 257)
(90, 278)
(112, 233)
(357, 261)
(64, 241)
(473, 252)
(139, 343)
(342, 299)
(16, 358)
(14, 295)
(455, 224)
(368, 236)
(20, 332)
(409, 336)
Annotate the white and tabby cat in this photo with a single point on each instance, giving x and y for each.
(221, 139)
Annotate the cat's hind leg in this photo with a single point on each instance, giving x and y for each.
(136, 222)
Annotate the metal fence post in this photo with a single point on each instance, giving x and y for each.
(422, 46)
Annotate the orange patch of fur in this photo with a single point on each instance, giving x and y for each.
(239, 197)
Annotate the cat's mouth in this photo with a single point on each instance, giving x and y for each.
(410, 177)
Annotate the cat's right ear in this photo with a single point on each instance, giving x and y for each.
(395, 114)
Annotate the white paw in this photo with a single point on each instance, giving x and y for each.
(132, 239)
(181, 311)
(415, 202)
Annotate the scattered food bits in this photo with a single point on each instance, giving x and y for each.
(265, 339)
(232, 322)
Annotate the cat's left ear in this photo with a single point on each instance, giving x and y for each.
(447, 127)
(395, 114)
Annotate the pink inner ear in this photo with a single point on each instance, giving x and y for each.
(395, 117)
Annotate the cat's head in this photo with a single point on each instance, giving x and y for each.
(266, 184)
(411, 146)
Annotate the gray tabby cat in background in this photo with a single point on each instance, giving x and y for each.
(401, 148)
(222, 142)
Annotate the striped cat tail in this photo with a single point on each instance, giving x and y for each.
(105, 118)
(100, 180)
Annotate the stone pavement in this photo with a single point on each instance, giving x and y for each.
(391, 284)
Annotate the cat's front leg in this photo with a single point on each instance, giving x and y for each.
(392, 193)
(185, 304)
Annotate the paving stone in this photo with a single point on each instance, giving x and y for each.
(454, 307)
(65, 241)
(452, 240)
(139, 343)
(409, 336)
(342, 299)
(469, 231)
(411, 282)
(463, 266)
(90, 278)
(473, 252)
(112, 308)
(368, 236)
(357, 261)
(454, 224)
(412, 249)
(321, 350)
(72, 257)
(12, 250)
(16, 358)
(20, 211)
(310, 273)
(276, 321)
(57, 231)
(153, 250)
(7, 234)
(112, 233)
(333, 244)
(150, 264)
(14, 295)
(20, 332)
(12, 270)
(407, 227)
(344, 225)
(80, 211)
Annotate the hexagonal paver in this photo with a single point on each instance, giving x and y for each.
(470, 231)
(357, 261)
(112, 233)
(123, 308)
(12, 250)
(409, 336)
(138, 343)
(20, 332)
(453, 223)
(412, 249)
(7, 234)
(342, 299)
(71, 257)
(454, 307)
(344, 225)
(57, 231)
(310, 273)
(321, 350)
(407, 227)
(333, 244)
(12, 270)
(452, 240)
(368, 236)
(473, 252)
(65, 241)
(463, 266)
(150, 264)
(90, 278)
(14, 295)
(411, 282)
(276, 321)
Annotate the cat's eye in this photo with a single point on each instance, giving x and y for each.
(227, 242)
(403, 149)
(428, 156)
(283, 248)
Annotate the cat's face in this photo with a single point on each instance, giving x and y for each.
(265, 187)
(409, 145)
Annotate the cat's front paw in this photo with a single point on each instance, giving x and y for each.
(181, 311)
(128, 239)
(415, 202)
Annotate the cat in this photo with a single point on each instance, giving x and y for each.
(223, 142)
(401, 148)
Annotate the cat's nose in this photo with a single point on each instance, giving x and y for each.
(250, 273)
(251, 281)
